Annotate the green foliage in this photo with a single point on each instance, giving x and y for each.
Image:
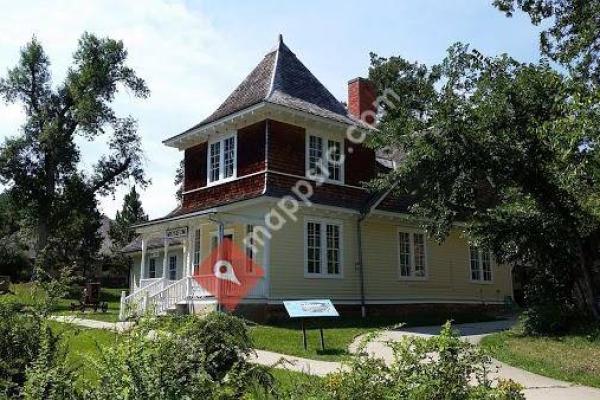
(441, 367)
(50, 377)
(19, 346)
(510, 149)
(195, 358)
(572, 37)
(132, 212)
(40, 164)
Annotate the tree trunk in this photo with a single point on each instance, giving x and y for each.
(588, 294)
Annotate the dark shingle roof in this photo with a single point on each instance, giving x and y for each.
(152, 243)
(281, 78)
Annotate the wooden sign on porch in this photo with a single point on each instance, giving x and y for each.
(177, 232)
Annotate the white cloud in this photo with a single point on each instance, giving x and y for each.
(174, 47)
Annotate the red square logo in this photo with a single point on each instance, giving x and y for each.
(228, 274)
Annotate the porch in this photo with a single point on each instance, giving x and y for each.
(165, 273)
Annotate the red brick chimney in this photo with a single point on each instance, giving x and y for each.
(361, 98)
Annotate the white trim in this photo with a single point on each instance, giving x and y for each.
(221, 138)
(323, 222)
(411, 238)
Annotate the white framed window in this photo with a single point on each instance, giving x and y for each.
(197, 244)
(152, 268)
(324, 158)
(323, 248)
(412, 255)
(480, 261)
(222, 159)
(172, 268)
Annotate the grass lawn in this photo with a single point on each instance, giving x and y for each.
(574, 358)
(28, 293)
(286, 337)
(82, 343)
(289, 380)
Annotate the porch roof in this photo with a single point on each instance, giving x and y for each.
(152, 243)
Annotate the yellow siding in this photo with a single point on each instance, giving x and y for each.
(447, 266)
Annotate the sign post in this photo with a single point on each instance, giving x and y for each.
(304, 309)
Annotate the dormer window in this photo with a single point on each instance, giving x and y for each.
(222, 159)
(324, 158)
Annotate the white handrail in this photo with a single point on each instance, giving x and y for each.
(135, 303)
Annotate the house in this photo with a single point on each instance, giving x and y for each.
(254, 163)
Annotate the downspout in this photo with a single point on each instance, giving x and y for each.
(369, 207)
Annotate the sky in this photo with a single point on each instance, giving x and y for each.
(193, 53)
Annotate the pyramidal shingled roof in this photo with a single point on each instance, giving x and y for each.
(281, 78)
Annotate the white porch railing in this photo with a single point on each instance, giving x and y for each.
(161, 296)
(137, 302)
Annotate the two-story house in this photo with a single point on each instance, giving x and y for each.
(361, 250)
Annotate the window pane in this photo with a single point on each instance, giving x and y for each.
(486, 265)
(249, 250)
(419, 246)
(333, 249)
(196, 249)
(152, 268)
(334, 159)
(173, 268)
(229, 156)
(315, 155)
(475, 267)
(214, 161)
(313, 247)
(404, 243)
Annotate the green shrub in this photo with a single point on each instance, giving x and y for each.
(19, 346)
(442, 368)
(198, 358)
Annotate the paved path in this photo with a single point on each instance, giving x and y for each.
(118, 327)
(537, 387)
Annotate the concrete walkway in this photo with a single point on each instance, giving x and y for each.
(537, 387)
(118, 327)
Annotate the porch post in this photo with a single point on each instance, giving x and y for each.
(267, 263)
(165, 256)
(184, 249)
(143, 261)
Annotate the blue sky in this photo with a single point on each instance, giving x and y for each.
(194, 53)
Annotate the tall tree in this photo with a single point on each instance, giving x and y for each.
(572, 37)
(40, 164)
(131, 213)
(510, 149)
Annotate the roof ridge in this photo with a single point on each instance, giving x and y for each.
(275, 62)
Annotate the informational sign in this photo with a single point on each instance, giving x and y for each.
(177, 232)
(310, 308)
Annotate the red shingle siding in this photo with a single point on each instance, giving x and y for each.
(251, 149)
(286, 148)
(195, 167)
(360, 165)
(328, 193)
(240, 189)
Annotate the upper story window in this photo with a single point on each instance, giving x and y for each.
(222, 159)
(323, 249)
(481, 264)
(324, 158)
(411, 255)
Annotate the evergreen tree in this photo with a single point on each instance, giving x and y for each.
(131, 213)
